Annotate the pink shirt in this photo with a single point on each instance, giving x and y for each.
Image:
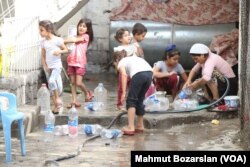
(214, 62)
(77, 57)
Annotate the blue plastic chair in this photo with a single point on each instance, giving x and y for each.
(7, 117)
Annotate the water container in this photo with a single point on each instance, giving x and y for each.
(185, 104)
(156, 102)
(164, 102)
(73, 122)
(91, 129)
(72, 32)
(111, 133)
(100, 97)
(185, 93)
(49, 125)
(91, 106)
(43, 99)
(61, 130)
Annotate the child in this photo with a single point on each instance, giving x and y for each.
(166, 71)
(139, 32)
(52, 48)
(209, 63)
(140, 73)
(77, 60)
(125, 49)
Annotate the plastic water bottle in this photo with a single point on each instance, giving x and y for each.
(100, 97)
(73, 122)
(185, 93)
(111, 133)
(43, 99)
(156, 102)
(49, 126)
(91, 129)
(61, 130)
(164, 102)
(72, 32)
(91, 106)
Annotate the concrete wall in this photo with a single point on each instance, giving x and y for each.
(98, 53)
(23, 86)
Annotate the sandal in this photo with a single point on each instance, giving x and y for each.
(75, 104)
(55, 112)
(89, 96)
(128, 132)
(59, 107)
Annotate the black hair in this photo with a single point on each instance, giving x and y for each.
(139, 29)
(171, 53)
(48, 26)
(89, 28)
(119, 33)
(198, 55)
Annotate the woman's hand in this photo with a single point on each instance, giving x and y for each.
(187, 84)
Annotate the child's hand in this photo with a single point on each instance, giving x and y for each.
(171, 73)
(57, 53)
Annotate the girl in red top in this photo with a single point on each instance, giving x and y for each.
(77, 59)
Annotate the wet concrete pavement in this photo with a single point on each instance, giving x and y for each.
(198, 136)
(175, 131)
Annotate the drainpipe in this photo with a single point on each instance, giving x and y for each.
(62, 21)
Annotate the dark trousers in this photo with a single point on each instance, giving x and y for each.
(139, 85)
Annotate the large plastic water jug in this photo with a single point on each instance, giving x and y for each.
(43, 99)
(100, 97)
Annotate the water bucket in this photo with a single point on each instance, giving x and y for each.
(232, 101)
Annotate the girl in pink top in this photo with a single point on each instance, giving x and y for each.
(77, 59)
(209, 62)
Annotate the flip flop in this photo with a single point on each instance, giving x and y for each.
(59, 107)
(71, 105)
(128, 132)
(55, 112)
(89, 96)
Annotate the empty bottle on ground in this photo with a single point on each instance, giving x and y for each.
(100, 97)
(61, 130)
(91, 129)
(49, 125)
(43, 99)
(111, 133)
(73, 122)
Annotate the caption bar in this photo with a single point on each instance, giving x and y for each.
(178, 158)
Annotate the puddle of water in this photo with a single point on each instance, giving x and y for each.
(190, 137)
